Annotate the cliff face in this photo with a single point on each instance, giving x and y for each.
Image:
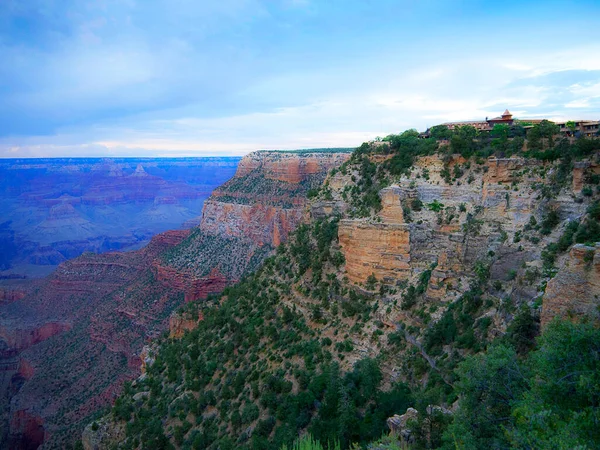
(574, 292)
(251, 214)
(267, 197)
(289, 167)
(262, 224)
(451, 226)
(375, 248)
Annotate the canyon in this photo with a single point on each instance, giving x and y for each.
(413, 259)
(72, 339)
(56, 209)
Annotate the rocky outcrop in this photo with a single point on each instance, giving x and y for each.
(575, 290)
(399, 424)
(265, 200)
(11, 295)
(250, 215)
(581, 171)
(194, 288)
(102, 435)
(20, 339)
(379, 249)
(503, 170)
(179, 323)
(382, 248)
(290, 167)
(26, 431)
(262, 224)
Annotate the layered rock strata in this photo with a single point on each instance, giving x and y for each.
(575, 290)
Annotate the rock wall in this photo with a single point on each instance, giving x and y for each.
(393, 249)
(581, 170)
(20, 339)
(194, 288)
(262, 224)
(375, 248)
(380, 249)
(289, 167)
(252, 207)
(27, 431)
(575, 290)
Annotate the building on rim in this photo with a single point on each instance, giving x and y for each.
(486, 125)
(568, 128)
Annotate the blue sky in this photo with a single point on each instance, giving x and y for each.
(193, 77)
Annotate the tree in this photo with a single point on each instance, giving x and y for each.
(540, 131)
(572, 127)
(500, 133)
(562, 409)
(488, 385)
(440, 132)
(463, 140)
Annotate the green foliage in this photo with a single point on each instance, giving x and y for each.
(488, 385)
(541, 135)
(435, 206)
(371, 282)
(549, 222)
(308, 443)
(416, 204)
(523, 330)
(549, 400)
(440, 132)
(562, 407)
(589, 231)
(463, 141)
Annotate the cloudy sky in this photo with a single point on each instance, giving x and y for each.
(222, 77)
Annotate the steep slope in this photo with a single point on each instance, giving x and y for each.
(71, 343)
(419, 254)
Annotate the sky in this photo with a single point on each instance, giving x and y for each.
(226, 77)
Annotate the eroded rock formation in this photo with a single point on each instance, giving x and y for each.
(575, 290)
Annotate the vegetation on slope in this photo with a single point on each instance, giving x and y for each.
(295, 347)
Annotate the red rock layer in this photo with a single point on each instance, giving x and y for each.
(30, 431)
(9, 295)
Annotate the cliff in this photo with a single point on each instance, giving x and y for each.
(574, 293)
(415, 256)
(251, 214)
